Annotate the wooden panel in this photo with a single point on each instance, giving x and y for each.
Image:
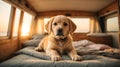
(71, 13)
(108, 9)
(79, 36)
(102, 39)
(7, 48)
(97, 39)
(22, 40)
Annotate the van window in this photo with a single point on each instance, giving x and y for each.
(112, 24)
(27, 19)
(4, 17)
(82, 24)
(16, 22)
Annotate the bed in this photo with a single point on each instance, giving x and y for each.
(92, 57)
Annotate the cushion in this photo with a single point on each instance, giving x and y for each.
(98, 46)
(82, 43)
(31, 43)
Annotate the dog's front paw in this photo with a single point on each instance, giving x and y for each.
(55, 58)
(38, 49)
(76, 58)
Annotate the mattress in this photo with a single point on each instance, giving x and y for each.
(28, 57)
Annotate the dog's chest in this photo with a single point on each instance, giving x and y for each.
(61, 48)
(61, 43)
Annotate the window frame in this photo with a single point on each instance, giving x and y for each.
(11, 22)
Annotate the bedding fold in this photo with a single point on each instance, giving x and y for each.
(30, 51)
(41, 55)
(84, 52)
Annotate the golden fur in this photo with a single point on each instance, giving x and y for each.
(59, 40)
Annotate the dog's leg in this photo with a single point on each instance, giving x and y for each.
(39, 48)
(53, 55)
(74, 56)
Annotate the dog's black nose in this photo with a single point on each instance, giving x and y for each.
(60, 32)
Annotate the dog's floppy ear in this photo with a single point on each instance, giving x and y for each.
(72, 26)
(48, 26)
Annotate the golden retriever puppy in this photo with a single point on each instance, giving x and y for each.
(59, 40)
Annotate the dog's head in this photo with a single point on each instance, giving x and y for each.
(60, 26)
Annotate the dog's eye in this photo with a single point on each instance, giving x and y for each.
(65, 24)
(55, 24)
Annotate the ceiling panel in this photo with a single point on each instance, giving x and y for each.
(81, 5)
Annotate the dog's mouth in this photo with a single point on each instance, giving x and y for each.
(59, 34)
(60, 37)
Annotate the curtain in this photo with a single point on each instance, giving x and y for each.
(94, 25)
(102, 24)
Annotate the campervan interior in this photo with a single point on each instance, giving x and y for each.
(22, 24)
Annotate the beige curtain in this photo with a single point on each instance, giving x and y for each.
(37, 26)
(32, 26)
(94, 25)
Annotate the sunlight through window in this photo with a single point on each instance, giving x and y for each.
(16, 22)
(82, 24)
(4, 17)
(26, 24)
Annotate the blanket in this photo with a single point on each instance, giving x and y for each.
(28, 57)
(30, 51)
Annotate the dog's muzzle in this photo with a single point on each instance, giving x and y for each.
(60, 32)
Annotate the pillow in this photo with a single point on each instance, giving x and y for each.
(82, 43)
(31, 43)
(99, 46)
(38, 36)
(35, 40)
